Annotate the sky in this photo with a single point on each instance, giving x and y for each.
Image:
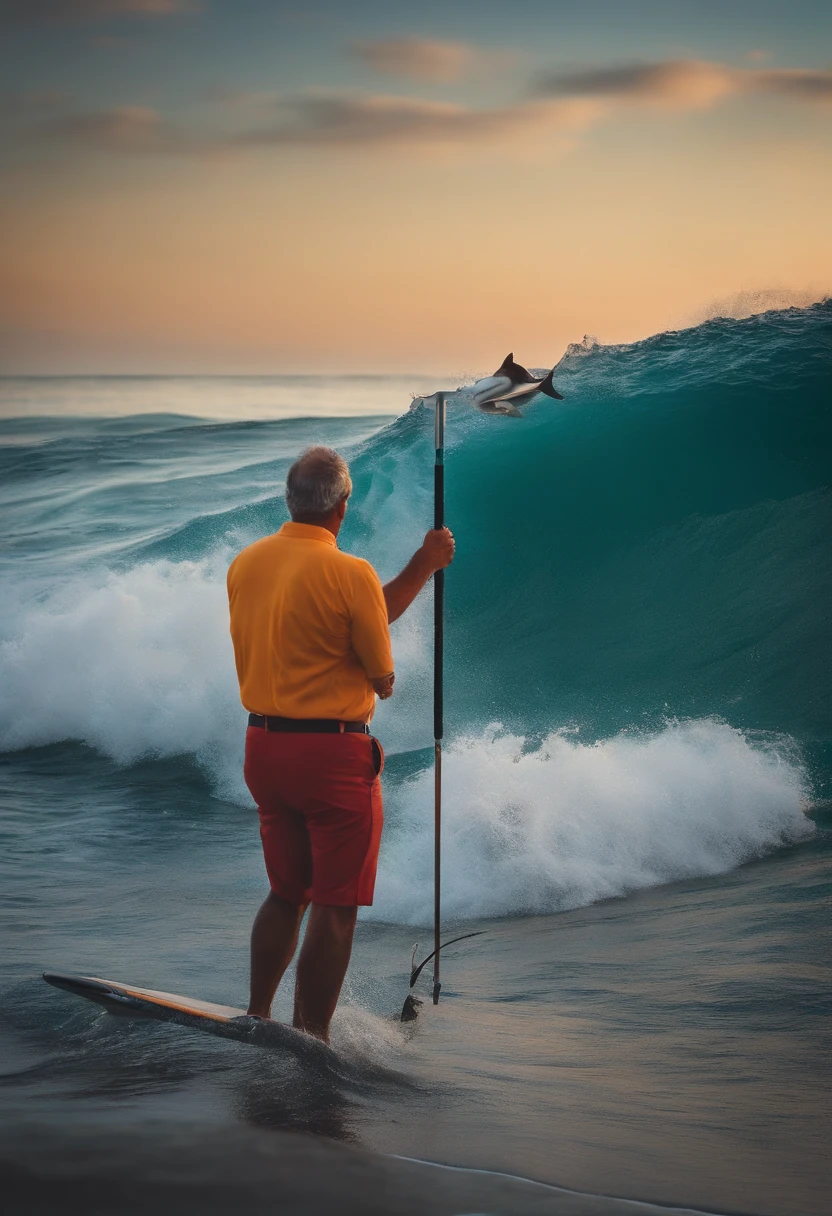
(253, 186)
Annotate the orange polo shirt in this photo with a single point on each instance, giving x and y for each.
(309, 626)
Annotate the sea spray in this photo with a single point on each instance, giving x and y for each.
(136, 663)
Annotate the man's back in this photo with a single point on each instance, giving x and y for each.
(309, 626)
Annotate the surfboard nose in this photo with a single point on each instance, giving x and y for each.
(96, 990)
(74, 983)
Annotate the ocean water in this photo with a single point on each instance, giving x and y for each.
(637, 777)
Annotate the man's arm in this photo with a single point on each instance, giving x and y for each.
(369, 633)
(435, 553)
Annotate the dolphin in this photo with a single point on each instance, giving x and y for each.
(510, 386)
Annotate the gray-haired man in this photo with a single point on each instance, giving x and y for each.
(311, 643)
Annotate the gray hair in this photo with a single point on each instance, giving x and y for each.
(317, 481)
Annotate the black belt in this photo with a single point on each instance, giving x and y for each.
(308, 726)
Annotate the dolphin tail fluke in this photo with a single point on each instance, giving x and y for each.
(548, 388)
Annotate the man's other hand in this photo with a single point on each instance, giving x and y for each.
(438, 548)
(384, 686)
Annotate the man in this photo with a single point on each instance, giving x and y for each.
(312, 647)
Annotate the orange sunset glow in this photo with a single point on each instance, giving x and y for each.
(360, 196)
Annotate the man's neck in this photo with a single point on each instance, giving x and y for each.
(332, 523)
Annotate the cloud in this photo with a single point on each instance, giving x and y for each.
(685, 83)
(123, 129)
(353, 119)
(417, 58)
(310, 120)
(676, 82)
(69, 11)
(800, 84)
(563, 106)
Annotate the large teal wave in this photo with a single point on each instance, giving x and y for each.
(659, 544)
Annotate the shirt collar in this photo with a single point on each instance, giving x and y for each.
(307, 532)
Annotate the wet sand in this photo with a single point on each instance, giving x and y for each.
(205, 1170)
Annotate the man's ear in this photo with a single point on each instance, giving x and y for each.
(341, 509)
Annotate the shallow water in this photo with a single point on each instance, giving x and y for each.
(645, 839)
(672, 1046)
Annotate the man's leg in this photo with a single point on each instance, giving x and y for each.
(322, 965)
(274, 939)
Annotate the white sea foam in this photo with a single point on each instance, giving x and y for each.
(570, 823)
(133, 664)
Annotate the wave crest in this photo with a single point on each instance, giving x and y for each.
(569, 823)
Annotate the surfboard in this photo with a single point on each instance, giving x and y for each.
(127, 1000)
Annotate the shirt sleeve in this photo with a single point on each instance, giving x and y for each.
(370, 633)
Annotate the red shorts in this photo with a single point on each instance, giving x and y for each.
(319, 798)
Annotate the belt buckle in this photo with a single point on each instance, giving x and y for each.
(342, 727)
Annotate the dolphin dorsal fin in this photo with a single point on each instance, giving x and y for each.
(515, 373)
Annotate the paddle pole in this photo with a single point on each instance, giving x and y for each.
(510, 385)
(438, 644)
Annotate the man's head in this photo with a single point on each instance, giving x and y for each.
(317, 487)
